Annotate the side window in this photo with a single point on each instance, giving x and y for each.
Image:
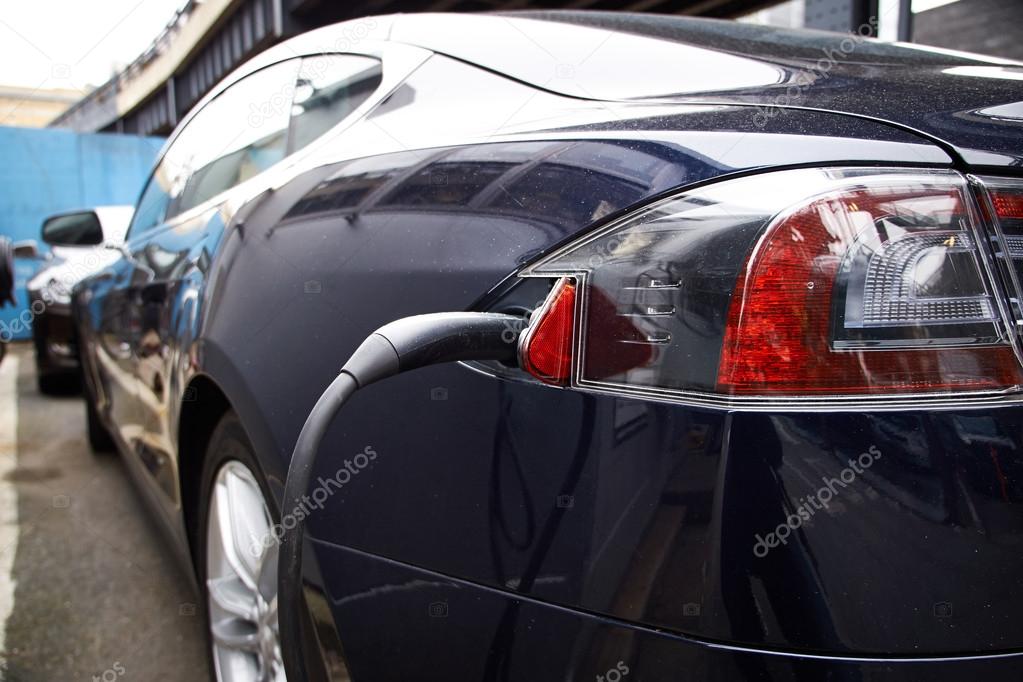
(237, 135)
(329, 88)
(242, 133)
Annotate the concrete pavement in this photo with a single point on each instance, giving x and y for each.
(88, 589)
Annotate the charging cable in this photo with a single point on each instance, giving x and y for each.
(400, 346)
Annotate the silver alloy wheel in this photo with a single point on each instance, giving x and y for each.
(241, 579)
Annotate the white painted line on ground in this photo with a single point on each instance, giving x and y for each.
(8, 493)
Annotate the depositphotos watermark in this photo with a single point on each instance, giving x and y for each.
(812, 503)
(615, 674)
(57, 291)
(819, 71)
(316, 499)
(281, 101)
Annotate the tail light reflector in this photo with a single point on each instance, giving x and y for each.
(545, 350)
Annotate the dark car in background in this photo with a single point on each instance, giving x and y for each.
(81, 242)
(766, 425)
(7, 284)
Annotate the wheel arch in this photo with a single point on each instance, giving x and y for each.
(205, 399)
(203, 405)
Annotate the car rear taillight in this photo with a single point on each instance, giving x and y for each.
(811, 283)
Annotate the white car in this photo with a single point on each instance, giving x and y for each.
(82, 243)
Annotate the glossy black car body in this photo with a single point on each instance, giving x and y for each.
(508, 530)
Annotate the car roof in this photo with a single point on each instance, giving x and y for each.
(115, 220)
(615, 57)
(580, 61)
(606, 55)
(620, 56)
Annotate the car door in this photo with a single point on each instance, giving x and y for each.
(232, 140)
(112, 357)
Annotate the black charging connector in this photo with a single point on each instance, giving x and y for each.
(400, 346)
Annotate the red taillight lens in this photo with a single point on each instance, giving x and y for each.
(1008, 204)
(546, 348)
(914, 295)
(820, 283)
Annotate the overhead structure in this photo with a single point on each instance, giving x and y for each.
(207, 39)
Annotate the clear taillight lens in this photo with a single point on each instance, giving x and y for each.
(1002, 207)
(811, 282)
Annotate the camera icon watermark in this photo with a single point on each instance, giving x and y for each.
(564, 71)
(60, 71)
(438, 393)
(111, 674)
(313, 287)
(564, 501)
(438, 609)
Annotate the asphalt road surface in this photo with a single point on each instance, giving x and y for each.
(88, 589)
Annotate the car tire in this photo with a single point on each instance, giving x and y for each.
(100, 440)
(49, 384)
(237, 577)
(56, 384)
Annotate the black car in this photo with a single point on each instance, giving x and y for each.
(6, 286)
(763, 419)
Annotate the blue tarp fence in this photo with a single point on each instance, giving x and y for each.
(46, 171)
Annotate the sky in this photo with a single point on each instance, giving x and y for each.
(75, 44)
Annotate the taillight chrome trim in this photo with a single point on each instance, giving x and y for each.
(966, 399)
(983, 187)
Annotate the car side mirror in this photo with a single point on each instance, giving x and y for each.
(26, 249)
(80, 228)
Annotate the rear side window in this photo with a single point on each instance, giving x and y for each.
(237, 135)
(251, 126)
(328, 90)
(241, 133)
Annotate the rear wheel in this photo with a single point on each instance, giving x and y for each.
(100, 439)
(238, 561)
(57, 384)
